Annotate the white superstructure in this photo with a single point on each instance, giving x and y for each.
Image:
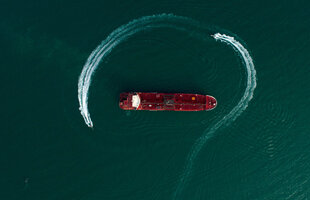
(135, 101)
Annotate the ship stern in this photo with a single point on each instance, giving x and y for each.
(125, 101)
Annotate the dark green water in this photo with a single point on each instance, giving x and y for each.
(48, 152)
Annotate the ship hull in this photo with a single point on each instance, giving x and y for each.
(166, 101)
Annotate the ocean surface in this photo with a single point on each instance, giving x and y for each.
(64, 63)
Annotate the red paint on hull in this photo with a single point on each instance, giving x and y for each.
(166, 101)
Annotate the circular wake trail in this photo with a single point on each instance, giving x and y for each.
(177, 22)
(230, 117)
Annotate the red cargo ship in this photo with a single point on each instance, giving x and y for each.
(166, 101)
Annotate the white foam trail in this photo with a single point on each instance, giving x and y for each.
(117, 36)
(227, 119)
(166, 20)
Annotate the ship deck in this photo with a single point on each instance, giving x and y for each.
(170, 101)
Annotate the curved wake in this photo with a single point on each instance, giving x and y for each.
(231, 116)
(116, 37)
(170, 21)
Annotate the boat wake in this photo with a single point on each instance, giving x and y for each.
(116, 37)
(180, 23)
(231, 116)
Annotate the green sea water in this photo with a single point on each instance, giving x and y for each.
(48, 152)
